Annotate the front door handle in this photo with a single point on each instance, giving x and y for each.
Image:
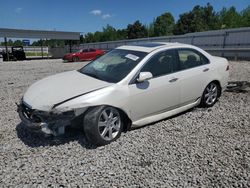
(173, 80)
(206, 69)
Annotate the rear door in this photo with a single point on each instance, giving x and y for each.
(194, 69)
(92, 53)
(159, 94)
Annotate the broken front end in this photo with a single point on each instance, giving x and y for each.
(52, 123)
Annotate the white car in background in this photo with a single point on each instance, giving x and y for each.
(129, 86)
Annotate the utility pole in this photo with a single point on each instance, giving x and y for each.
(42, 47)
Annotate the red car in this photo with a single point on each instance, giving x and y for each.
(83, 54)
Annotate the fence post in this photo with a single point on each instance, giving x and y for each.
(70, 46)
(236, 57)
(192, 40)
(224, 42)
(47, 49)
(6, 48)
(42, 47)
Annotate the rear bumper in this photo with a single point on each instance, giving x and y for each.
(52, 125)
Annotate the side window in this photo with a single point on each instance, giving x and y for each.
(92, 50)
(190, 58)
(161, 63)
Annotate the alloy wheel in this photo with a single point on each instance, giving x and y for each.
(109, 123)
(211, 94)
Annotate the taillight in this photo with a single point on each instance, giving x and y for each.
(227, 69)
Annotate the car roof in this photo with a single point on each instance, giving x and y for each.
(151, 46)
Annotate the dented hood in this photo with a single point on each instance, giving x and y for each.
(46, 93)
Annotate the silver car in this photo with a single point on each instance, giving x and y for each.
(128, 87)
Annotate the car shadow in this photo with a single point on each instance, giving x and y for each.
(238, 91)
(37, 139)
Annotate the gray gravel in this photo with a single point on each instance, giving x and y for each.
(199, 148)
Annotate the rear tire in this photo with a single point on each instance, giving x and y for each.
(210, 95)
(96, 57)
(102, 125)
(75, 59)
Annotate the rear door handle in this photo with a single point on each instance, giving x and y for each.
(173, 80)
(206, 69)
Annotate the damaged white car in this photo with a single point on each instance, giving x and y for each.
(129, 86)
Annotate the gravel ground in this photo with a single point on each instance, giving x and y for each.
(199, 148)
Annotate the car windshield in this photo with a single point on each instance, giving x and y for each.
(81, 50)
(113, 66)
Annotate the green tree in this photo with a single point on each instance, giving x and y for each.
(150, 29)
(230, 18)
(89, 37)
(17, 43)
(136, 30)
(10, 42)
(199, 19)
(183, 25)
(82, 39)
(164, 24)
(245, 14)
(98, 37)
(50, 43)
(122, 34)
(109, 34)
(211, 18)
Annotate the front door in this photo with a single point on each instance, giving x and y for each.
(83, 54)
(159, 94)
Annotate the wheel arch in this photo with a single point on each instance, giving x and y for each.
(217, 82)
(124, 115)
(75, 56)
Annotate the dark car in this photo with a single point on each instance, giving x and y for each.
(84, 54)
(17, 53)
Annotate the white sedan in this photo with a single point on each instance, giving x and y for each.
(128, 87)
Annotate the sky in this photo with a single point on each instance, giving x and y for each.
(92, 15)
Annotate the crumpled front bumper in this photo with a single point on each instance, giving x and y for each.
(46, 122)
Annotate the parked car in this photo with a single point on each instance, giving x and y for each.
(17, 53)
(83, 54)
(130, 86)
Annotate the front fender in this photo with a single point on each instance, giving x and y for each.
(116, 96)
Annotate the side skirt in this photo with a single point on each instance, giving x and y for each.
(157, 117)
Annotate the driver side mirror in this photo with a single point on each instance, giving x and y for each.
(143, 76)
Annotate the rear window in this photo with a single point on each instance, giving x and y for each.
(190, 58)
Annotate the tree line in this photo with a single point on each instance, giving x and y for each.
(200, 18)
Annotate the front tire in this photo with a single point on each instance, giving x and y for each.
(210, 95)
(102, 125)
